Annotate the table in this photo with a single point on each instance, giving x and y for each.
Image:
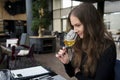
(38, 73)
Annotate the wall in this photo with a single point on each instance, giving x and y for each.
(112, 6)
(115, 21)
(5, 16)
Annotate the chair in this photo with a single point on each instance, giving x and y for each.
(23, 53)
(117, 70)
(24, 41)
(23, 49)
(18, 44)
(3, 60)
(11, 42)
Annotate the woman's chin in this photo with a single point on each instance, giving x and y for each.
(81, 37)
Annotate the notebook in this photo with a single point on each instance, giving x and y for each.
(29, 72)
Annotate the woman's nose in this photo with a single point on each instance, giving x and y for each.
(75, 30)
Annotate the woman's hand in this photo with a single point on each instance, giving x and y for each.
(62, 55)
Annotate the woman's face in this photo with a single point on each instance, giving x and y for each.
(77, 26)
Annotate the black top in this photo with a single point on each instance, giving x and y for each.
(104, 70)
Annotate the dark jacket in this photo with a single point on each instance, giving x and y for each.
(104, 70)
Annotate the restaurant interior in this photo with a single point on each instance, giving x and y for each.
(28, 39)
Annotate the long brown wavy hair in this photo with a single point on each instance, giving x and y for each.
(96, 38)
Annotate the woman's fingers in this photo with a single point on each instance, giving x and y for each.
(60, 54)
(63, 56)
(63, 59)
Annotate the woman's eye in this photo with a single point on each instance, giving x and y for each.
(78, 25)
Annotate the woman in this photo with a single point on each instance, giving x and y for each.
(94, 52)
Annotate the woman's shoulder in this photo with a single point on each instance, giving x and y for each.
(110, 50)
(110, 45)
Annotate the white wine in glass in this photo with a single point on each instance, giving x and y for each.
(69, 43)
(69, 38)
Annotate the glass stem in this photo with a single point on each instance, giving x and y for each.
(70, 53)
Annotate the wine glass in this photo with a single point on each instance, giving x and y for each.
(69, 41)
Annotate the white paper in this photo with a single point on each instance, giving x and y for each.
(12, 42)
(58, 77)
(27, 72)
(23, 52)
